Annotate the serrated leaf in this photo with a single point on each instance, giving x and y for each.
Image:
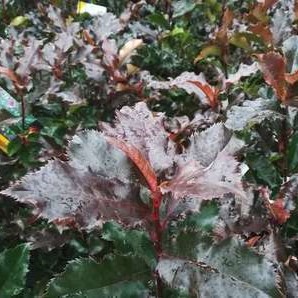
(14, 264)
(202, 172)
(113, 277)
(104, 26)
(263, 169)
(197, 279)
(127, 241)
(138, 159)
(98, 183)
(139, 127)
(191, 83)
(250, 113)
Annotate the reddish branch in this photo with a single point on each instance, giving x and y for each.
(148, 173)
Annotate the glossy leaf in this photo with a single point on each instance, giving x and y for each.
(96, 184)
(14, 265)
(198, 279)
(127, 241)
(114, 276)
(139, 127)
(202, 174)
(230, 257)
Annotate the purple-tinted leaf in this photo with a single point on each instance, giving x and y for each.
(281, 26)
(54, 14)
(204, 183)
(251, 112)
(205, 146)
(94, 70)
(196, 279)
(97, 184)
(290, 50)
(31, 57)
(243, 71)
(110, 50)
(206, 170)
(104, 26)
(145, 131)
(188, 81)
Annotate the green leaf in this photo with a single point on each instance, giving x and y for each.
(263, 170)
(116, 276)
(19, 21)
(293, 152)
(13, 269)
(127, 241)
(14, 146)
(207, 217)
(183, 7)
(159, 20)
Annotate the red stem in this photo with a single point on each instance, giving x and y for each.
(157, 236)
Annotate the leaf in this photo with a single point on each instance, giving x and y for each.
(27, 62)
(98, 183)
(18, 21)
(281, 25)
(141, 129)
(205, 146)
(210, 50)
(243, 71)
(230, 257)
(127, 241)
(182, 7)
(293, 152)
(10, 74)
(191, 83)
(14, 264)
(291, 281)
(284, 202)
(202, 173)
(197, 279)
(104, 26)
(280, 214)
(290, 50)
(127, 50)
(263, 169)
(205, 183)
(113, 277)
(140, 162)
(273, 67)
(263, 31)
(251, 113)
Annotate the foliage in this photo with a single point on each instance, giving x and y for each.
(150, 151)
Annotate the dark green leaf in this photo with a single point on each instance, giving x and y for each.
(13, 269)
(113, 277)
(127, 241)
